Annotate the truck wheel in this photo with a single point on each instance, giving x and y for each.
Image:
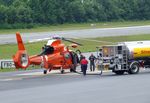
(134, 68)
(119, 72)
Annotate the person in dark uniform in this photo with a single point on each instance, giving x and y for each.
(84, 63)
(100, 52)
(75, 61)
(92, 59)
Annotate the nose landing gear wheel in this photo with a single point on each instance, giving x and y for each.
(45, 72)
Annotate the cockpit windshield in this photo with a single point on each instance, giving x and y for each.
(47, 50)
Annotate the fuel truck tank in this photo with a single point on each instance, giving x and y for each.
(138, 49)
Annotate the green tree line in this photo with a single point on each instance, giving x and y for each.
(24, 13)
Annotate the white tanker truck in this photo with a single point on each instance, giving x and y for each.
(125, 56)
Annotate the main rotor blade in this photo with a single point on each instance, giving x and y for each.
(71, 41)
(37, 40)
(99, 41)
(54, 37)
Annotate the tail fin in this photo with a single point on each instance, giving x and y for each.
(19, 42)
(21, 59)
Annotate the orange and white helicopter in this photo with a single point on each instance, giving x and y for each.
(55, 55)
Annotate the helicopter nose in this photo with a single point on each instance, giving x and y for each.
(36, 60)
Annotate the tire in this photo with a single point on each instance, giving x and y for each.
(119, 72)
(62, 71)
(45, 72)
(134, 68)
(71, 70)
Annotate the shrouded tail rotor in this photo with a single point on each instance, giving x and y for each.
(21, 59)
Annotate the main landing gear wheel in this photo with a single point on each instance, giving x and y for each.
(62, 71)
(71, 70)
(45, 72)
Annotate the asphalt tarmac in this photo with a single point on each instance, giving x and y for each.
(34, 87)
(85, 33)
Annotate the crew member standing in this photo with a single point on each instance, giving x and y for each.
(84, 63)
(92, 59)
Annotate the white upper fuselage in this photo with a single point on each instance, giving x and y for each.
(49, 42)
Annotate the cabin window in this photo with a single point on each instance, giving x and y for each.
(67, 55)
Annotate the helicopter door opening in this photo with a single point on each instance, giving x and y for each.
(75, 59)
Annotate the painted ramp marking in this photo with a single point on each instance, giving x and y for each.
(34, 73)
(37, 73)
(10, 79)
